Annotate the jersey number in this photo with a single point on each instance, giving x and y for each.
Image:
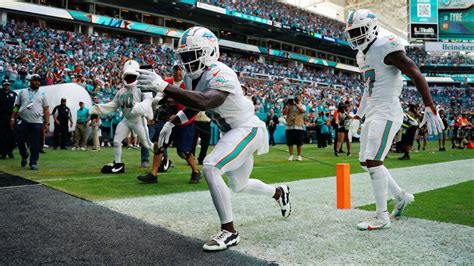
(369, 78)
(127, 100)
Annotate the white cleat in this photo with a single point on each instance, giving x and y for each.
(290, 158)
(284, 200)
(401, 204)
(381, 221)
(300, 158)
(222, 241)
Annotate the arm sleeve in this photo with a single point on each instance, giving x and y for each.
(18, 99)
(104, 108)
(362, 105)
(45, 101)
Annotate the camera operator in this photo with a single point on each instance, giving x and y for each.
(295, 132)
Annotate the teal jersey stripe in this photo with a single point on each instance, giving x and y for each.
(228, 158)
(386, 132)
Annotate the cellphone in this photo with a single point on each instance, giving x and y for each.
(146, 67)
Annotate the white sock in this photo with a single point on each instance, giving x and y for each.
(396, 191)
(379, 185)
(257, 187)
(118, 154)
(219, 192)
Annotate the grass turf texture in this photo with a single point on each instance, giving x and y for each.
(453, 204)
(78, 172)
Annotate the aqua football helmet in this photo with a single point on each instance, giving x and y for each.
(198, 48)
(362, 28)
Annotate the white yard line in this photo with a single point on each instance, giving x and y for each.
(20, 186)
(317, 232)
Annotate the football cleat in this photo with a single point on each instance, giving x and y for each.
(195, 177)
(148, 178)
(222, 241)
(381, 221)
(402, 203)
(284, 200)
(113, 168)
(290, 158)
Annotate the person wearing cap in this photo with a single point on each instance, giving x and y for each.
(32, 109)
(61, 115)
(7, 136)
(80, 132)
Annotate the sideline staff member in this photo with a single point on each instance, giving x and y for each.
(7, 137)
(31, 107)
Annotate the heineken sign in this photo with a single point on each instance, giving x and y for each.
(449, 47)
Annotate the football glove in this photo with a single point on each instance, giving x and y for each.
(165, 134)
(149, 80)
(433, 122)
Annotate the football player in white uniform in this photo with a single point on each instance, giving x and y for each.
(382, 61)
(135, 104)
(217, 90)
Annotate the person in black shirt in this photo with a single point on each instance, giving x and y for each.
(7, 137)
(272, 122)
(61, 114)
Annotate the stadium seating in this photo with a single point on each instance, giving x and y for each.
(94, 63)
(285, 14)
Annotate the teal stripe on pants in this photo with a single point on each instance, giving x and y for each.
(388, 126)
(237, 150)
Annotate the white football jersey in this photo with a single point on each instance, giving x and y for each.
(126, 99)
(237, 110)
(384, 83)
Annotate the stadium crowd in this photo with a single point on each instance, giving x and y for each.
(95, 61)
(422, 58)
(294, 17)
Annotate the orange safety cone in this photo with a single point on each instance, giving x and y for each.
(343, 186)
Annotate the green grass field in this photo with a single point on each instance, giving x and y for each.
(78, 172)
(453, 204)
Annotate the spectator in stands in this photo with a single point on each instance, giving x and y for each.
(272, 122)
(7, 136)
(32, 109)
(295, 132)
(62, 115)
(80, 133)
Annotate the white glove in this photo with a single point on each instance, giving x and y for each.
(149, 80)
(165, 134)
(433, 122)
